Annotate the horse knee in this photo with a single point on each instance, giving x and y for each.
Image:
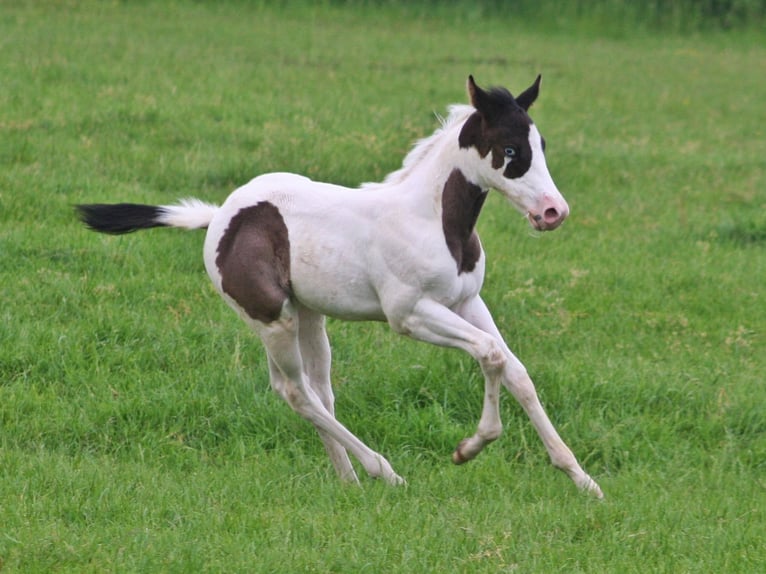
(492, 358)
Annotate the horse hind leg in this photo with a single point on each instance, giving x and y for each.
(316, 356)
(337, 453)
(289, 379)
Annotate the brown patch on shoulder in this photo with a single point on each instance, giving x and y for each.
(254, 261)
(461, 204)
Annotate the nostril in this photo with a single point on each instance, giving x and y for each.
(551, 215)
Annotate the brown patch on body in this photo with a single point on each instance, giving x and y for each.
(254, 261)
(461, 204)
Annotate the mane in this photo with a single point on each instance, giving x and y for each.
(457, 114)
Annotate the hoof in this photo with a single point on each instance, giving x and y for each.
(350, 478)
(458, 457)
(591, 487)
(595, 490)
(396, 480)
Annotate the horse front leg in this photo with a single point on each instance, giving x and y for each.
(490, 425)
(434, 323)
(516, 379)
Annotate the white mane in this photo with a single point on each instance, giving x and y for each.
(458, 113)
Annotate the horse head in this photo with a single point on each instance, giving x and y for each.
(511, 153)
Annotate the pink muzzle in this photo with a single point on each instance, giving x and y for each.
(549, 215)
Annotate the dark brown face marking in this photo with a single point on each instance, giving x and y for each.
(461, 203)
(254, 261)
(500, 124)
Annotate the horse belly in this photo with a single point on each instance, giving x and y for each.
(333, 280)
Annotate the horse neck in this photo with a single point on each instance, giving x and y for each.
(432, 162)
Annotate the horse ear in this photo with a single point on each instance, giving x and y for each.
(479, 98)
(471, 134)
(528, 96)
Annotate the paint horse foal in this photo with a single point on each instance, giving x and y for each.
(285, 251)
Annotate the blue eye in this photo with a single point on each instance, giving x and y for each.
(510, 152)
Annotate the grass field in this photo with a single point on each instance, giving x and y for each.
(137, 429)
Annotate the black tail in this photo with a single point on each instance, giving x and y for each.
(120, 218)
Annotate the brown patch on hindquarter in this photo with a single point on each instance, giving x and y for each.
(461, 204)
(254, 261)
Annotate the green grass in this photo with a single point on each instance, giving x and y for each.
(137, 430)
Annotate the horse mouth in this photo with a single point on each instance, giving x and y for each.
(547, 222)
(537, 222)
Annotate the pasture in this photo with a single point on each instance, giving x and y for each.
(137, 429)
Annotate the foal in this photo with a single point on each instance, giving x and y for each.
(284, 251)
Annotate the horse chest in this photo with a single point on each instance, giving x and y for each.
(450, 287)
(426, 269)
